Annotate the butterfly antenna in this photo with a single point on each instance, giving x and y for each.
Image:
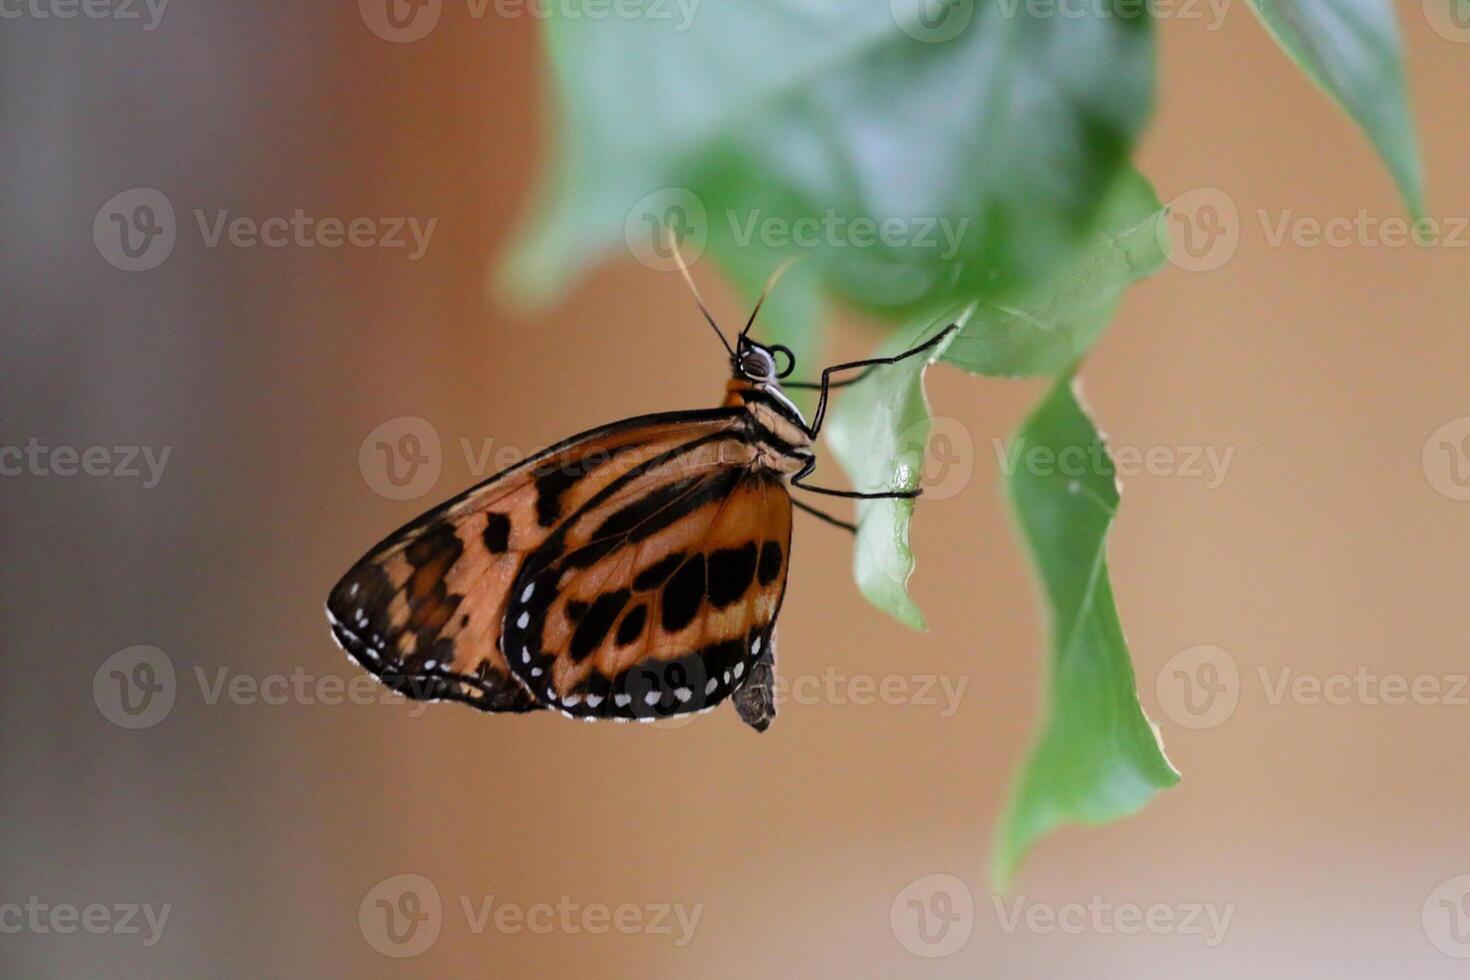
(770, 285)
(673, 243)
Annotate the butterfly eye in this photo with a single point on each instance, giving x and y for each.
(757, 365)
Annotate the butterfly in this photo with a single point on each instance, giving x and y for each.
(634, 571)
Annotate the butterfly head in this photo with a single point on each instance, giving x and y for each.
(757, 371)
(759, 364)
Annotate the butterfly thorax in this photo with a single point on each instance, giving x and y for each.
(783, 440)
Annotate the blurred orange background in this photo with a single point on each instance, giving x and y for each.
(1326, 832)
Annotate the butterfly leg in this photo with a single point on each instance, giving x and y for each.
(755, 702)
(822, 515)
(850, 494)
(835, 384)
(826, 384)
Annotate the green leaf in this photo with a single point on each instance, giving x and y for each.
(908, 171)
(1098, 757)
(1351, 49)
(881, 426)
(879, 432)
(1045, 329)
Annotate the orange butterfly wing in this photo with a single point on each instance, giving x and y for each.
(432, 608)
(656, 604)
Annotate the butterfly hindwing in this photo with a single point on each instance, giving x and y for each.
(656, 602)
(425, 609)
